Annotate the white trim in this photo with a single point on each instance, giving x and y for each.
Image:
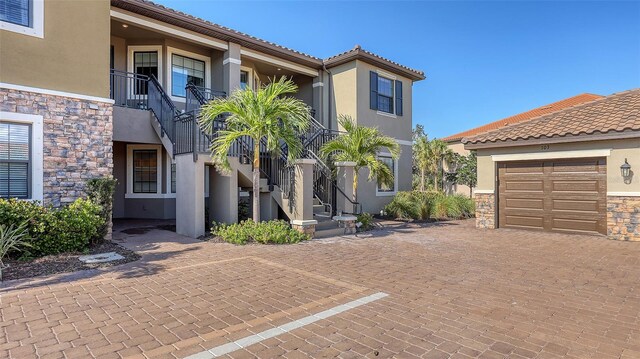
(157, 26)
(395, 177)
(318, 84)
(279, 63)
(37, 149)
(207, 69)
(168, 193)
(483, 191)
(392, 115)
(37, 22)
(131, 62)
(624, 194)
(231, 60)
(304, 222)
(54, 93)
(404, 142)
(305, 161)
(345, 164)
(250, 74)
(129, 193)
(551, 155)
(387, 75)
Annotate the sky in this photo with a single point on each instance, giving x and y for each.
(484, 60)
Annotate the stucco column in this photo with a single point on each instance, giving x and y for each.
(345, 183)
(189, 196)
(223, 194)
(303, 197)
(231, 68)
(318, 86)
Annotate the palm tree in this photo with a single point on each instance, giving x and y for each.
(267, 115)
(440, 153)
(422, 159)
(361, 145)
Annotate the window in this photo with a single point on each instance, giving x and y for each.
(22, 16)
(15, 149)
(16, 12)
(186, 70)
(244, 79)
(144, 63)
(145, 171)
(389, 162)
(385, 94)
(173, 178)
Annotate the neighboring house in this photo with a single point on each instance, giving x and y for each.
(96, 88)
(455, 141)
(569, 171)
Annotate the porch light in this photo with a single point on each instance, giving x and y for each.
(625, 169)
(125, 26)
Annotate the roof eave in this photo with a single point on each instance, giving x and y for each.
(386, 65)
(164, 15)
(611, 135)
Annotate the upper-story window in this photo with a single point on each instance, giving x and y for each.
(22, 16)
(15, 160)
(244, 79)
(385, 94)
(186, 70)
(144, 63)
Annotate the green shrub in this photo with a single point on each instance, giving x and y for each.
(12, 239)
(430, 205)
(366, 221)
(53, 231)
(268, 232)
(100, 191)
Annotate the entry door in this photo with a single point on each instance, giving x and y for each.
(553, 195)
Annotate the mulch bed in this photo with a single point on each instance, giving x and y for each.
(66, 262)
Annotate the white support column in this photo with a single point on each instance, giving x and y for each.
(318, 87)
(303, 197)
(223, 195)
(345, 183)
(189, 196)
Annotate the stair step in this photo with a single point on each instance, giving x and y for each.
(326, 233)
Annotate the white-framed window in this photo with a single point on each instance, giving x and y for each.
(144, 171)
(184, 67)
(144, 60)
(249, 78)
(23, 16)
(21, 156)
(385, 94)
(383, 189)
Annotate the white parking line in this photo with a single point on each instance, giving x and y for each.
(256, 338)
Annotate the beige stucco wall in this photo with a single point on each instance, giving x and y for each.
(620, 149)
(72, 57)
(344, 99)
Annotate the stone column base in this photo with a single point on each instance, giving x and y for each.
(347, 222)
(305, 226)
(485, 210)
(623, 218)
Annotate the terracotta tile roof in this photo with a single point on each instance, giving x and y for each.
(613, 114)
(178, 18)
(525, 116)
(359, 53)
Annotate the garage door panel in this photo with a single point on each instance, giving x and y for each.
(532, 222)
(554, 195)
(526, 203)
(574, 205)
(575, 186)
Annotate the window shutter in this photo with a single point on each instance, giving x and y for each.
(398, 98)
(373, 86)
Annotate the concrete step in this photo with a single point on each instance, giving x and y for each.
(326, 233)
(325, 224)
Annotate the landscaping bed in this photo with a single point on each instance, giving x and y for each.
(65, 262)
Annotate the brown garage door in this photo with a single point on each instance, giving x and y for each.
(553, 195)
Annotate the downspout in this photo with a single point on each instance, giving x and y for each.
(324, 67)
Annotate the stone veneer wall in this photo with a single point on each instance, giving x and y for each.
(78, 140)
(623, 218)
(485, 210)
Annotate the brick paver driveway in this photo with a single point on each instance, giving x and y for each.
(453, 291)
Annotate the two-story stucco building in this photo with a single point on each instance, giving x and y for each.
(99, 88)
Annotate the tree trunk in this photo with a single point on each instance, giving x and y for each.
(470, 192)
(355, 186)
(256, 182)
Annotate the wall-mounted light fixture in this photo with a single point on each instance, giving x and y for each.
(625, 169)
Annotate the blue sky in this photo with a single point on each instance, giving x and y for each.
(484, 60)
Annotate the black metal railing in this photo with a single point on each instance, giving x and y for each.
(128, 89)
(198, 96)
(162, 107)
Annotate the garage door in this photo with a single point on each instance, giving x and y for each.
(553, 195)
